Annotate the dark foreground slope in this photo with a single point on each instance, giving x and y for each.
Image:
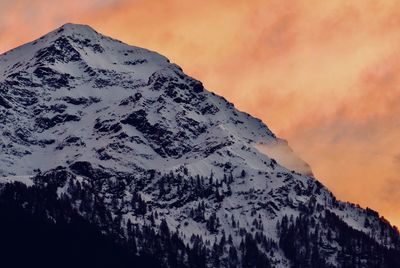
(30, 238)
(40, 229)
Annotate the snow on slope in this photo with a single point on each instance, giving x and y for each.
(27, 180)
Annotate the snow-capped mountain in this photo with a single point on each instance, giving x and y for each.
(133, 143)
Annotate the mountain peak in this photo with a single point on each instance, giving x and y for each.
(77, 43)
(75, 26)
(76, 29)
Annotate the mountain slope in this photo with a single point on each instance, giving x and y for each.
(130, 140)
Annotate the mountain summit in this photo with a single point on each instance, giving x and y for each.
(141, 151)
(78, 95)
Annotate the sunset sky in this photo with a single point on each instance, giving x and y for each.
(322, 74)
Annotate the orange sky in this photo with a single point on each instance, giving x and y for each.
(321, 74)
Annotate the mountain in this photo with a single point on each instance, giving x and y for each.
(102, 136)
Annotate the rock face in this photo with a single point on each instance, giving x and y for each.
(142, 151)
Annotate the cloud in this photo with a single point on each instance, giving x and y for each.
(396, 159)
(281, 152)
(390, 193)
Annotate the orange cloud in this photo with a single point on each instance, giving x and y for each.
(322, 74)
